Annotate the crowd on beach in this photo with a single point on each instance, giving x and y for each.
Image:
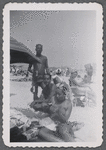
(58, 97)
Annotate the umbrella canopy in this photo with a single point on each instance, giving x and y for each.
(19, 53)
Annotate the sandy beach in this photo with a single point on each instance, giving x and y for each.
(21, 97)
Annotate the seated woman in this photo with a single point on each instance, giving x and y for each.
(80, 88)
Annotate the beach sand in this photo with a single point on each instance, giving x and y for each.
(21, 97)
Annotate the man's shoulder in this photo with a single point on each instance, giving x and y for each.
(53, 85)
(66, 103)
(44, 57)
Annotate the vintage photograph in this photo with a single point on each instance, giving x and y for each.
(53, 71)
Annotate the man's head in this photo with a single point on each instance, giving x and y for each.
(60, 95)
(38, 49)
(47, 79)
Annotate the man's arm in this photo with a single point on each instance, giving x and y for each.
(65, 111)
(46, 65)
(52, 93)
(29, 68)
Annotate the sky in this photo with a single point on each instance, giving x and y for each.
(68, 37)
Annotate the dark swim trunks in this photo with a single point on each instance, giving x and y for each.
(37, 80)
(39, 70)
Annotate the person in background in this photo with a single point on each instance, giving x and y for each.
(80, 88)
(59, 81)
(58, 77)
(39, 69)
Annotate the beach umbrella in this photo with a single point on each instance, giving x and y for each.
(19, 53)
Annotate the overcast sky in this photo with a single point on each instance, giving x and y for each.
(68, 37)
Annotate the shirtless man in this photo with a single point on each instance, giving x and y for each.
(47, 97)
(39, 69)
(60, 112)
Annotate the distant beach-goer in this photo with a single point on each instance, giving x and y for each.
(80, 88)
(57, 79)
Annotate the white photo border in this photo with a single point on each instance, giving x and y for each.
(6, 69)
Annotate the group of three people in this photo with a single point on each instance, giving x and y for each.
(53, 100)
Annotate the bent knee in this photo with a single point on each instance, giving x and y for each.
(62, 129)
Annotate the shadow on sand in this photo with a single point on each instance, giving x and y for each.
(12, 94)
